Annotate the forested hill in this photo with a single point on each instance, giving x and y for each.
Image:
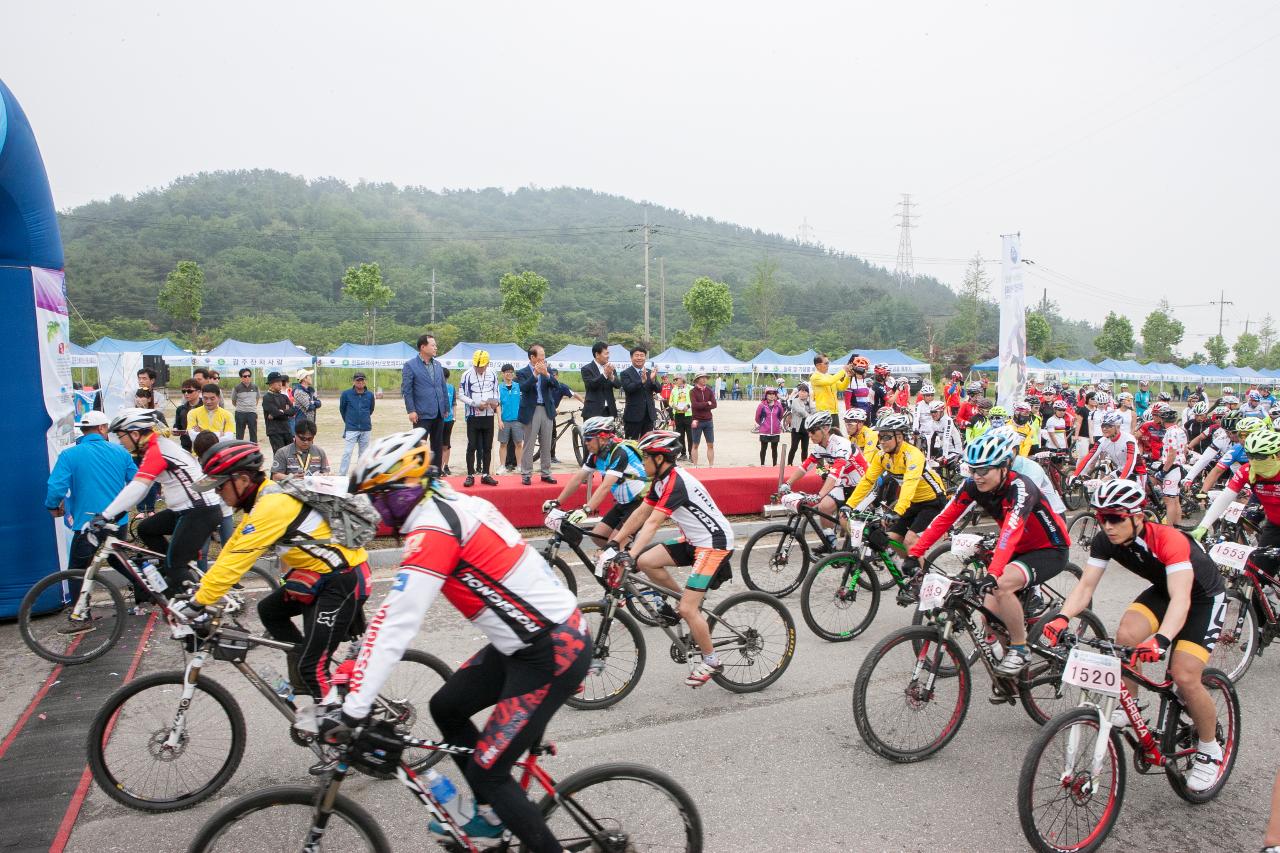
(274, 248)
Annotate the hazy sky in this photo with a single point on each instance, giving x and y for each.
(1133, 144)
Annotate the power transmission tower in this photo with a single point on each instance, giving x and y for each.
(1222, 301)
(904, 270)
(805, 233)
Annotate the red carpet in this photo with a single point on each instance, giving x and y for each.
(737, 491)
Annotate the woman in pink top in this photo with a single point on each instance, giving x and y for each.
(769, 423)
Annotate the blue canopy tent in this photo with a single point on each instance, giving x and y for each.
(78, 356)
(459, 358)
(768, 361)
(1212, 373)
(574, 356)
(898, 361)
(391, 356)
(710, 360)
(172, 353)
(233, 355)
(992, 365)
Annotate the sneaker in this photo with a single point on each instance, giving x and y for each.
(547, 478)
(477, 827)
(470, 481)
(488, 480)
(1205, 769)
(526, 479)
(1011, 664)
(667, 615)
(1119, 719)
(701, 673)
(555, 461)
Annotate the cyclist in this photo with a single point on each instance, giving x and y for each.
(920, 412)
(1221, 429)
(190, 516)
(920, 492)
(968, 408)
(1056, 428)
(1261, 473)
(862, 437)
(1182, 611)
(939, 437)
(981, 420)
(1150, 434)
(705, 543)
(954, 394)
(1026, 426)
(861, 394)
(1118, 446)
(1173, 462)
(1142, 400)
(538, 652)
(621, 475)
(882, 387)
(1196, 422)
(1033, 538)
(845, 466)
(1235, 455)
(1253, 405)
(325, 583)
(1124, 406)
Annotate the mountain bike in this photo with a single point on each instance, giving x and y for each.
(167, 741)
(566, 422)
(1252, 619)
(1058, 465)
(612, 808)
(777, 557)
(1242, 520)
(752, 633)
(77, 615)
(1072, 781)
(913, 688)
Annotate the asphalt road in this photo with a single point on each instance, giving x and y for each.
(780, 770)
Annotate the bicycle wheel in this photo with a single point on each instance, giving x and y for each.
(404, 697)
(1055, 591)
(1062, 804)
(1076, 497)
(576, 436)
(1180, 736)
(1238, 643)
(755, 637)
(1082, 529)
(838, 599)
(255, 585)
(617, 658)
(130, 756)
(638, 809)
(903, 710)
(644, 605)
(896, 552)
(281, 819)
(564, 574)
(1040, 686)
(775, 560)
(59, 637)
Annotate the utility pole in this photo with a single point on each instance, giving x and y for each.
(662, 302)
(904, 270)
(646, 276)
(433, 296)
(1222, 301)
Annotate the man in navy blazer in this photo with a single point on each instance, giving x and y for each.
(537, 413)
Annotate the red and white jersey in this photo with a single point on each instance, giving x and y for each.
(686, 502)
(1175, 439)
(466, 548)
(841, 459)
(1123, 453)
(167, 463)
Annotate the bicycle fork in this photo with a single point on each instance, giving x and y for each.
(178, 731)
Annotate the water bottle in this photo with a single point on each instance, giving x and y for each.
(277, 682)
(153, 576)
(446, 795)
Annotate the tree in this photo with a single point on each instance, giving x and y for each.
(363, 284)
(1248, 350)
(1161, 333)
(1217, 349)
(710, 307)
(1116, 339)
(1039, 335)
(182, 296)
(966, 325)
(522, 295)
(1266, 335)
(764, 299)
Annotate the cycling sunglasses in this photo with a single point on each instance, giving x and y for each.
(982, 472)
(1111, 517)
(1259, 457)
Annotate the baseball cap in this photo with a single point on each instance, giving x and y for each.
(93, 419)
(276, 376)
(358, 376)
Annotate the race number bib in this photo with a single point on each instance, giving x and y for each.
(1092, 671)
(933, 591)
(1230, 554)
(965, 545)
(855, 535)
(1233, 513)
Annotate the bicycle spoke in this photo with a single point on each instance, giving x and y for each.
(643, 813)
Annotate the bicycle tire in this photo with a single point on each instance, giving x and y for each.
(778, 574)
(411, 711)
(1041, 682)
(233, 813)
(573, 788)
(83, 652)
(1076, 497)
(818, 596)
(916, 637)
(565, 573)
(106, 725)
(600, 689)
(1179, 735)
(1027, 796)
(579, 452)
(723, 640)
(1239, 638)
(267, 577)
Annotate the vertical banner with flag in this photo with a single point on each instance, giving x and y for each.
(1012, 382)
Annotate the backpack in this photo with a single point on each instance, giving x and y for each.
(353, 521)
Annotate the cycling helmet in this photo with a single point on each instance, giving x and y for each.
(860, 363)
(1230, 420)
(984, 404)
(1021, 406)
(1249, 424)
(883, 412)
(853, 415)
(480, 357)
(1104, 386)
(901, 382)
(1165, 397)
(1113, 419)
(228, 457)
(1059, 405)
(1143, 383)
(1102, 398)
(818, 420)
(1230, 400)
(881, 369)
(998, 412)
(1119, 496)
(664, 442)
(598, 426)
(989, 449)
(1261, 443)
(937, 406)
(134, 419)
(957, 375)
(893, 423)
(1227, 389)
(1264, 390)
(1200, 407)
(392, 459)
(1124, 397)
(1273, 413)
(1253, 397)
(1167, 414)
(974, 387)
(1219, 411)
(926, 388)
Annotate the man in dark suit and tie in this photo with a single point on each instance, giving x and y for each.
(639, 383)
(599, 379)
(537, 413)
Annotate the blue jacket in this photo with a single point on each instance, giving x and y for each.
(448, 413)
(509, 400)
(531, 385)
(422, 387)
(356, 410)
(88, 476)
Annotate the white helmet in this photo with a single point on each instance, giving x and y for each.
(1230, 400)
(129, 420)
(1113, 419)
(894, 423)
(855, 414)
(818, 420)
(926, 388)
(1102, 398)
(937, 406)
(391, 459)
(594, 427)
(1123, 495)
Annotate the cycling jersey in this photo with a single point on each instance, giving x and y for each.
(164, 462)
(1123, 453)
(919, 414)
(906, 465)
(1266, 492)
(686, 502)
(1232, 456)
(862, 394)
(940, 437)
(218, 421)
(623, 462)
(1055, 433)
(1029, 432)
(976, 427)
(1175, 440)
(1150, 437)
(844, 464)
(865, 439)
(1161, 551)
(1027, 521)
(1035, 471)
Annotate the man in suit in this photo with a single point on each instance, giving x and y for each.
(599, 379)
(639, 383)
(537, 413)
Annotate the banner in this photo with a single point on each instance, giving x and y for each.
(1012, 382)
(54, 342)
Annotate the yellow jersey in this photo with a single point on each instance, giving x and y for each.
(824, 387)
(867, 440)
(219, 421)
(277, 517)
(1030, 432)
(908, 466)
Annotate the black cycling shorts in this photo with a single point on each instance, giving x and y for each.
(1199, 633)
(1041, 565)
(917, 517)
(618, 513)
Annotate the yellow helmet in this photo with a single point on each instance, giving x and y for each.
(480, 358)
(395, 458)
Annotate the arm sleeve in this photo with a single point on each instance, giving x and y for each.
(1086, 464)
(1206, 459)
(1130, 459)
(940, 525)
(1219, 506)
(265, 525)
(912, 471)
(1022, 499)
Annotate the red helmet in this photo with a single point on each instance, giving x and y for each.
(882, 369)
(231, 457)
(957, 375)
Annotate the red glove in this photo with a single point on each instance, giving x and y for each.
(1151, 650)
(1053, 631)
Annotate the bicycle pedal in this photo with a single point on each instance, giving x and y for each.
(322, 767)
